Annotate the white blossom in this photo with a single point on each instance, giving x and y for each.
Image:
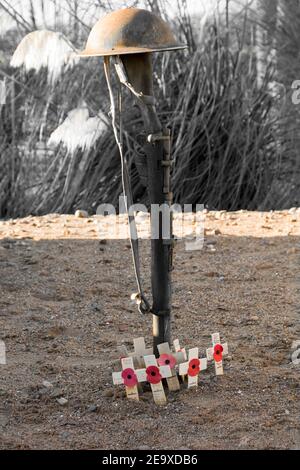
(45, 49)
(79, 130)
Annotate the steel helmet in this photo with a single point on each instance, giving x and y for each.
(130, 31)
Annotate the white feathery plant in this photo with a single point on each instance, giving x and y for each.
(48, 49)
(79, 130)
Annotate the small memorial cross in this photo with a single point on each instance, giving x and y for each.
(178, 348)
(140, 351)
(129, 377)
(154, 376)
(193, 367)
(217, 352)
(168, 358)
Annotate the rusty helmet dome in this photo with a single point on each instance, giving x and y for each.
(130, 31)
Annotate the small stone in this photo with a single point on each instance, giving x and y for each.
(212, 274)
(81, 214)
(293, 210)
(95, 307)
(62, 401)
(47, 384)
(57, 392)
(92, 409)
(212, 250)
(264, 266)
(108, 393)
(254, 318)
(3, 420)
(144, 448)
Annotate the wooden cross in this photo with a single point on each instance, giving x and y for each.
(139, 352)
(217, 352)
(193, 367)
(168, 358)
(2, 353)
(129, 377)
(178, 348)
(154, 375)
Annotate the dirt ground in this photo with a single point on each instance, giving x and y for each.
(65, 312)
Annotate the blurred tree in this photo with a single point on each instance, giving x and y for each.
(288, 42)
(266, 36)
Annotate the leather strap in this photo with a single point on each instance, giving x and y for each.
(140, 298)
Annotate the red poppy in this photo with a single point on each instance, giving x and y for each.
(167, 360)
(194, 367)
(218, 352)
(129, 378)
(153, 375)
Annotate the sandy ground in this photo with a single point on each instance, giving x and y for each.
(65, 311)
